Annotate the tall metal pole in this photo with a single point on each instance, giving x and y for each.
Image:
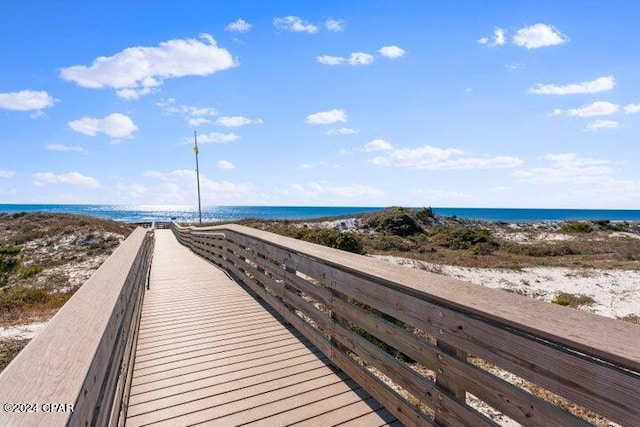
(195, 148)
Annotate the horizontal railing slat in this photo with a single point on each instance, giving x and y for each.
(560, 349)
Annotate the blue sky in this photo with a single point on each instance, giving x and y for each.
(351, 103)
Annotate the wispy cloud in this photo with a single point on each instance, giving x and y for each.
(7, 174)
(378, 145)
(239, 26)
(193, 115)
(632, 108)
(334, 25)
(225, 164)
(602, 124)
(567, 168)
(237, 121)
(598, 108)
(294, 24)
(63, 147)
(214, 138)
(593, 86)
(71, 178)
(429, 157)
(356, 58)
(498, 38)
(322, 189)
(342, 131)
(115, 125)
(327, 117)
(138, 71)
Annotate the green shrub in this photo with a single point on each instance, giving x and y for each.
(10, 261)
(541, 250)
(572, 300)
(576, 227)
(398, 221)
(467, 239)
(346, 241)
(384, 242)
(17, 297)
(25, 273)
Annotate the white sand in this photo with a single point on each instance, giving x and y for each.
(27, 331)
(616, 292)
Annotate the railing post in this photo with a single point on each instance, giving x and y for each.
(446, 382)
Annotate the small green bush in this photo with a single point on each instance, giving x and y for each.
(541, 250)
(384, 242)
(25, 273)
(17, 297)
(346, 241)
(10, 261)
(576, 227)
(478, 241)
(572, 300)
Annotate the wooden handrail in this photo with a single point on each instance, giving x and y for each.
(363, 313)
(76, 370)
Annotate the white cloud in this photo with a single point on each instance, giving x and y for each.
(295, 24)
(378, 145)
(137, 71)
(341, 131)
(334, 25)
(71, 178)
(356, 59)
(428, 157)
(327, 117)
(197, 121)
(594, 86)
(360, 58)
(7, 174)
(598, 108)
(194, 116)
(320, 189)
(224, 164)
(115, 125)
(392, 52)
(632, 108)
(602, 124)
(539, 35)
(239, 25)
(498, 38)
(567, 168)
(26, 100)
(179, 186)
(63, 147)
(215, 138)
(330, 60)
(237, 121)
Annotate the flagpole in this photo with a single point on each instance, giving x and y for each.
(195, 148)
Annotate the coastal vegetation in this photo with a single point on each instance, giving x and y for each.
(422, 235)
(44, 259)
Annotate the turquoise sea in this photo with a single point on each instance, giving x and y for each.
(137, 213)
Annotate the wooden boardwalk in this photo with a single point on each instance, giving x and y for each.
(209, 353)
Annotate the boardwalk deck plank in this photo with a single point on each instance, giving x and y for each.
(209, 352)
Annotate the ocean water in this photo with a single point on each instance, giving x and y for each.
(139, 213)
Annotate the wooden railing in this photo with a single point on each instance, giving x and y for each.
(77, 370)
(421, 343)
